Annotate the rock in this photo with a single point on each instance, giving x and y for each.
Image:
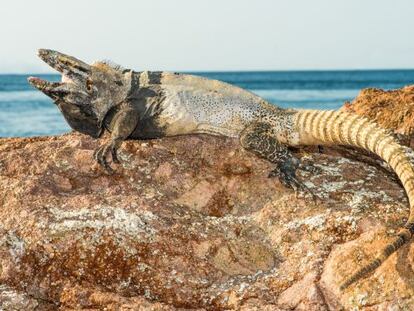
(13, 300)
(192, 222)
(303, 295)
(392, 109)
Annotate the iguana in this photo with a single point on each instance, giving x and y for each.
(149, 104)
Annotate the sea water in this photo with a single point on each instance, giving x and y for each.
(25, 111)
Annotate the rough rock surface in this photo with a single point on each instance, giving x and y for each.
(392, 109)
(192, 222)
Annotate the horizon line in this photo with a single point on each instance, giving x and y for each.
(235, 71)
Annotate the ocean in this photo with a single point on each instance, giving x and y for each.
(27, 112)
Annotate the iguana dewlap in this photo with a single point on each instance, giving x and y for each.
(145, 105)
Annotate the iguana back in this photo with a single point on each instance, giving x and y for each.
(192, 104)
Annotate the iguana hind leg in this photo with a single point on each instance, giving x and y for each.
(259, 139)
(122, 125)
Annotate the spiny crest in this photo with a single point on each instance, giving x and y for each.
(109, 63)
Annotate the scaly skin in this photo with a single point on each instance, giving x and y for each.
(145, 105)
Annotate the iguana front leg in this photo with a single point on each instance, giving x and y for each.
(259, 139)
(122, 125)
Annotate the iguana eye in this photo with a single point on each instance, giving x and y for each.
(89, 85)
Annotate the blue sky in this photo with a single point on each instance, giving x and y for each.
(188, 35)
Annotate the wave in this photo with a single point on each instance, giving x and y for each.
(22, 96)
(30, 123)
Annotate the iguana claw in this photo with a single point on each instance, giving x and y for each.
(101, 154)
(289, 180)
(114, 156)
(309, 167)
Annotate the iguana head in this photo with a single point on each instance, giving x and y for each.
(87, 92)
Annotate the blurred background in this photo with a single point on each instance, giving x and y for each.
(302, 54)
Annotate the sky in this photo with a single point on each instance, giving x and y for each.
(210, 35)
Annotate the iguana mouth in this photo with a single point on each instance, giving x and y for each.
(73, 70)
(65, 79)
(70, 95)
(55, 90)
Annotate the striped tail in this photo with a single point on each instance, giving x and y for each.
(341, 128)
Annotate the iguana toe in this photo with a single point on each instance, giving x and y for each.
(309, 167)
(289, 180)
(101, 155)
(114, 156)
